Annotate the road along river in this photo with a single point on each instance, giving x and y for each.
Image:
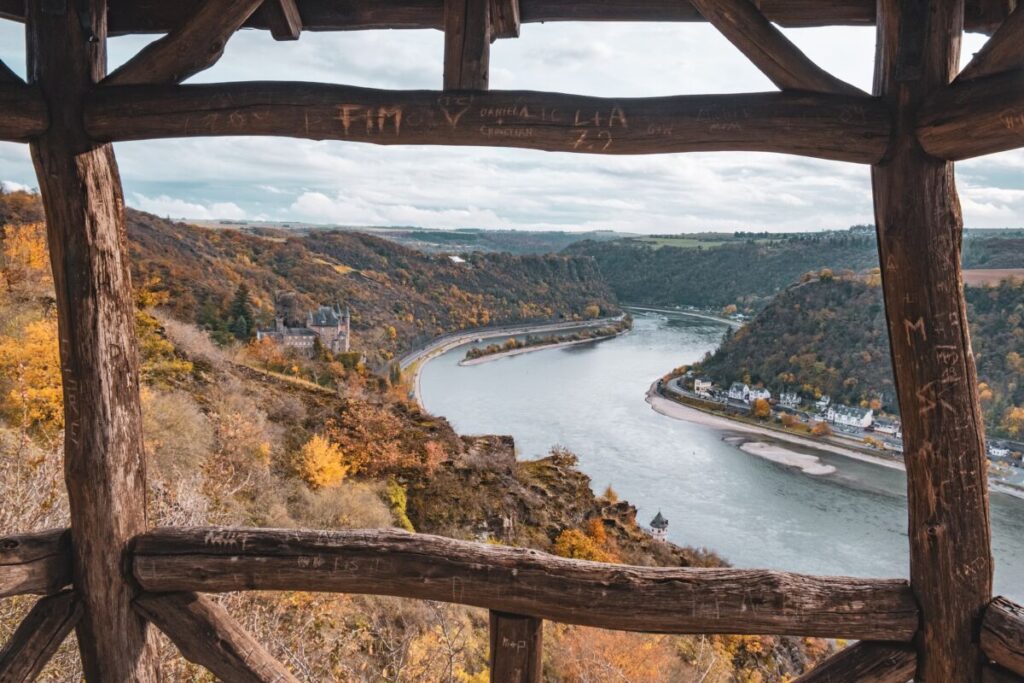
(734, 492)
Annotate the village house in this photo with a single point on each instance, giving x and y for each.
(822, 403)
(329, 324)
(759, 393)
(888, 427)
(739, 392)
(789, 399)
(850, 416)
(702, 387)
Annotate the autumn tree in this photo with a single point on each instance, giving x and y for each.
(761, 409)
(322, 463)
(30, 377)
(821, 429)
(25, 260)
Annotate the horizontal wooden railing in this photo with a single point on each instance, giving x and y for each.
(520, 587)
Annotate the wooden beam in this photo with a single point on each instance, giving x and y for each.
(38, 636)
(103, 457)
(773, 53)
(161, 16)
(22, 112)
(829, 126)
(1002, 634)
(996, 674)
(283, 18)
(866, 662)
(35, 563)
(192, 47)
(505, 19)
(467, 44)
(9, 77)
(920, 231)
(974, 117)
(516, 654)
(206, 635)
(525, 582)
(1003, 51)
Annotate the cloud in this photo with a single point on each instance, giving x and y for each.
(11, 186)
(164, 205)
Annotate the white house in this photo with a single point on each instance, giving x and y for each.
(790, 399)
(759, 392)
(739, 392)
(823, 402)
(659, 527)
(887, 427)
(850, 416)
(702, 387)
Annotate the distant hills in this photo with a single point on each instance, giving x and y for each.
(749, 269)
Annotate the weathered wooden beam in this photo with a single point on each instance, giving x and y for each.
(1003, 51)
(526, 582)
(38, 636)
(467, 44)
(192, 47)
(206, 635)
(161, 16)
(516, 654)
(505, 19)
(103, 457)
(743, 24)
(996, 674)
(1002, 634)
(283, 18)
(976, 117)
(866, 662)
(22, 112)
(829, 126)
(920, 230)
(35, 563)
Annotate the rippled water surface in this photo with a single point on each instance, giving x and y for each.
(590, 398)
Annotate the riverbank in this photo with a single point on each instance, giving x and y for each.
(530, 349)
(412, 363)
(692, 314)
(808, 464)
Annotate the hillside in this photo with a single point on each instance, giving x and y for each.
(827, 335)
(399, 297)
(748, 269)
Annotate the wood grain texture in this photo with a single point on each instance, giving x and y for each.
(866, 662)
(975, 117)
(103, 457)
(193, 46)
(206, 635)
(525, 582)
(505, 20)
(38, 636)
(516, 652)
(23, 114)
(1002, 634)
(1003, 51)
(467, 44)
(283, 18)
(774, 54)
(161, 16)
(996, 674)
(919, 236)
(35, 563)
(828, 126)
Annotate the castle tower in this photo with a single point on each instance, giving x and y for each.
(659, 528)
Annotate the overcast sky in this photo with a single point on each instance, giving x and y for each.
(352, 183)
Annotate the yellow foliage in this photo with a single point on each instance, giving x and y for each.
(30, 372)
(575, 544)
(1013, 421)
(762, 409)
(24, 260)
(321, 463)
(821, 429)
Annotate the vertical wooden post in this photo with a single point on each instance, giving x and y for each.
(103, 457)
(467, 44)
(516, 648)
(919, 236)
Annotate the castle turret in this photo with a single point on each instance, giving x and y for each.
(659, 527)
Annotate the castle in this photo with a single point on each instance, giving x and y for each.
(329, 324)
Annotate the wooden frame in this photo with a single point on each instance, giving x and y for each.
(917, 121)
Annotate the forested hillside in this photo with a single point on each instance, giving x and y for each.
(827, 335)
(748, 273)
(399, 297)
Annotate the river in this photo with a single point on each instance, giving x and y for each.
(754, 513)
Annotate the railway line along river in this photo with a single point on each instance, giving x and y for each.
(709, 481)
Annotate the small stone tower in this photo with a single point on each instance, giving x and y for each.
(659, 528)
